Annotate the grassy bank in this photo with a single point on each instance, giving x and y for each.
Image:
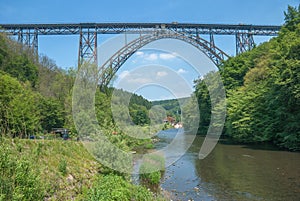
(52, 169)
(59, 170)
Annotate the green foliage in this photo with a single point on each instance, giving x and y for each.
(149, 146)
(167, 126)
(292, 17)
(62, 167)
(18, 111)
(139, 100)
(16, 61)
(151, 168)
(112, 187)
(29, 169)
(202, 94)
(103, 109)
(34, 98)
(137, 105)
(25, 110)
(51, 113)
(139, 114)
(18, 180)
(172, 107)
(263, 88)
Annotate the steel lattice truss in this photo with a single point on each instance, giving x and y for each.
(112, 65)
(116, 28)
(28, 35)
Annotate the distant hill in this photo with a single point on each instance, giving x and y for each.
(172, 106)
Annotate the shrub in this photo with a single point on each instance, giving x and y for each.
(62, 167)
(113, 187)
(152, 168)
(18, 181)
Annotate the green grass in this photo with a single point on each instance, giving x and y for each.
(113, 187)
(60, 170)
(151, 169)
(38, 169)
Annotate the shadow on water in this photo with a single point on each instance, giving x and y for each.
(267, 146)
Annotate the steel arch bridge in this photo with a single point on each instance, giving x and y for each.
(27, 34)
(112, 65)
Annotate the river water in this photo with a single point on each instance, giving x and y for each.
(230, 172)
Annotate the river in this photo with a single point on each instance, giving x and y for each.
(231, 172)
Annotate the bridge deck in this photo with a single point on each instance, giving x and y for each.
(115, 28)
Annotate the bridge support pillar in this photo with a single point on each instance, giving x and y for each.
(29, 38)
(87, 46)
(212, 42)
(244, 42)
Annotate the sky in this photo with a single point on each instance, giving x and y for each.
(64, 49)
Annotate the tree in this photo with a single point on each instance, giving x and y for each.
(52, 113)
(292, 17)
(262, 89)
(15, 61)
(202, 94)
(18, 110)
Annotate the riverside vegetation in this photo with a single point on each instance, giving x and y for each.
(36, 97)
(263, 91)
(263, 102)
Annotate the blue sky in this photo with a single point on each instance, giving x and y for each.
(196, 11)
(64, 49)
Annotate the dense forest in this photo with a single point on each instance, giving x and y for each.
(172, 107)
(263, 90)
(37, 96)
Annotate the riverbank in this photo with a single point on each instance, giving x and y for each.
(60, 170)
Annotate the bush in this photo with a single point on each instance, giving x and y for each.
(152, 168)
(149, 146)
(18, 181)
(113, 187)
(62, 167)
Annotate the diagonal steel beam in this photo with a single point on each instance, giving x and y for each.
(87, 46)
(244, 42)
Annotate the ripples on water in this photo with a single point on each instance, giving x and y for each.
(230, 172)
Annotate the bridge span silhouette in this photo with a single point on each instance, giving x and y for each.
(27, 34)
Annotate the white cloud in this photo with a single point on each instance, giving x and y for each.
(124, 74)
(152, 57)
(181, 71)
(166, 56)
(139, 53)
(161, 73)
(139, 80)
(155, 56)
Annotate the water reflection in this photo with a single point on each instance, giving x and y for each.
(233, 172)
(173, 144)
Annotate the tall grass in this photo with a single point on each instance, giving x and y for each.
(44, 169)
(113, 187)
(18, 178)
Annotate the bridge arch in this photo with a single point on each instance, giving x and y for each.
(113, 64)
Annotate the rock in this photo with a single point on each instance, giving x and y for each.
(70, 178)
(196, 189)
